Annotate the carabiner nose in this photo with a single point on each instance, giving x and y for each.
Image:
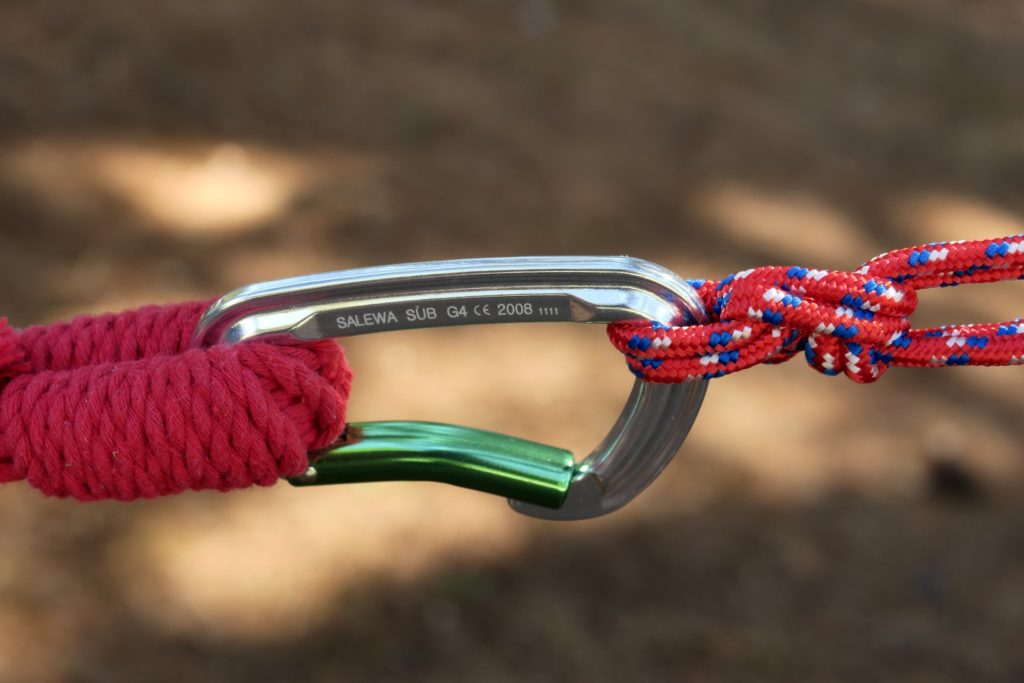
(540, 481)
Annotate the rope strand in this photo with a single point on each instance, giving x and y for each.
(857, 324)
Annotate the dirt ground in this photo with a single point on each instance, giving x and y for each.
(811, 530)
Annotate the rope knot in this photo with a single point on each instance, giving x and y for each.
(121, 407)
(843, 322)
(851, 323)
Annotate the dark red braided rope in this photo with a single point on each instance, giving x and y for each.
(118, 406)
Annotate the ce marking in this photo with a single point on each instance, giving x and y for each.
(481, 310)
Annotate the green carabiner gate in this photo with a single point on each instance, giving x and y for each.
(428, 451)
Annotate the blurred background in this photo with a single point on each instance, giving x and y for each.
(154, 151)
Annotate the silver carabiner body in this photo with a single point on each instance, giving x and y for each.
(656, 418)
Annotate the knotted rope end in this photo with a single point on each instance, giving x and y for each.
(855, 324)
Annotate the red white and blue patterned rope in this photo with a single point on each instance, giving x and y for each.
(854, 323)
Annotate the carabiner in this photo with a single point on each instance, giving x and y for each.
(539, 480)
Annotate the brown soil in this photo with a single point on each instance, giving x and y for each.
(814, 530)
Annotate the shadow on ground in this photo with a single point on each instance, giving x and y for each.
(153, 151)
(507, 128)
(846, 589)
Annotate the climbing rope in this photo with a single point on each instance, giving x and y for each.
(854, 323)
(118, 406)
(123, 406)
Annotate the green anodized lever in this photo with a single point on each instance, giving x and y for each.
(539, 480)
(427, 451)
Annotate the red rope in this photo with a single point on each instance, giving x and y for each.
(855, 323)
(118, 406)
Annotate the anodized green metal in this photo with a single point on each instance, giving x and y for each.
(428, 451)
